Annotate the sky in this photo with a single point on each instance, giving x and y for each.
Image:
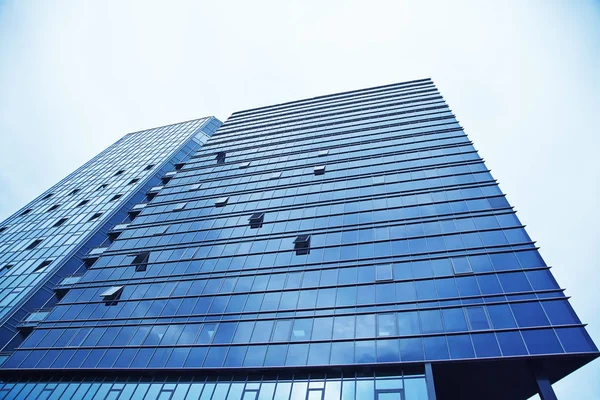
(521, 76)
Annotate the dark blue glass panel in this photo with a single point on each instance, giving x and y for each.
(436, 348)
(215, 356)
(196, 357)
(160, 357)
(408, 323)
(477, 318)
(542, 341)
(16, 358)
(109, 358)
(342, 353)
(514, 282)
(225, 332)
(529, 314)
(125, 358)
(297, 354)
(560, 312)
(485, 345)
(255, 356)
(431, 321)
(411, 349)
(365, 351)
(178, 357)
(365, 326)
(511, 343)
(454, 320)
(276, 355)
(319, 353)
(387, 350)
(460, 346)
(575, 340)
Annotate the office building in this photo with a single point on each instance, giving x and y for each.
(349, 246)
(47, 239)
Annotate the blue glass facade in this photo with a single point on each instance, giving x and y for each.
(48, 238)
(346, 246)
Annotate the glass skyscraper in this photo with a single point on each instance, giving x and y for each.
(350, 246)
(47, 240)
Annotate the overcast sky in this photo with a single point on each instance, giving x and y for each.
(522, 77)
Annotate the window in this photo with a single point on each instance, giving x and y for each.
(6, 267)
(178, 207)
(383, 273)
(33, 244)
(74, 191)
(461, 266)
(155, 188)
(389, 394)
(103, 186)
(323, 153)
(167, 177)
(477, 318)
(221, 201)
(160, 230)
(26, 212)
(116, 197)
(153, 192)
(112, 295)
(319, 170)
(244, 165)
(60, 222)
(119, 172)
(83, 203)
(275, 175)
(3, 228)
(95, 216)
(302, 244)
(250, 394)
(46, 197)
(149, 167)
(178, 166)
(134, 180)
(43, 265)
(194, 187)
(220, 157)
(140, 261)
(256, 220)
(378, 179)
(54, 207)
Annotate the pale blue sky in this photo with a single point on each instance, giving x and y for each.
(522, 77)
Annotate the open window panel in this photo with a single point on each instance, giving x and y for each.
(319, 170)
(302, 244)
(178, 207)
(111, 296)
(256, 220)
(384, 273)
(140, 261)
(220, 157)
(43, 265)
(221, 201)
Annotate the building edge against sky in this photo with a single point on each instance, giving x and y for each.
(352, 245)
(48, 239)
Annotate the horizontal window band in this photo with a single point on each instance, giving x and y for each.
(321, 311)
(149, 210)
(360, 339)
